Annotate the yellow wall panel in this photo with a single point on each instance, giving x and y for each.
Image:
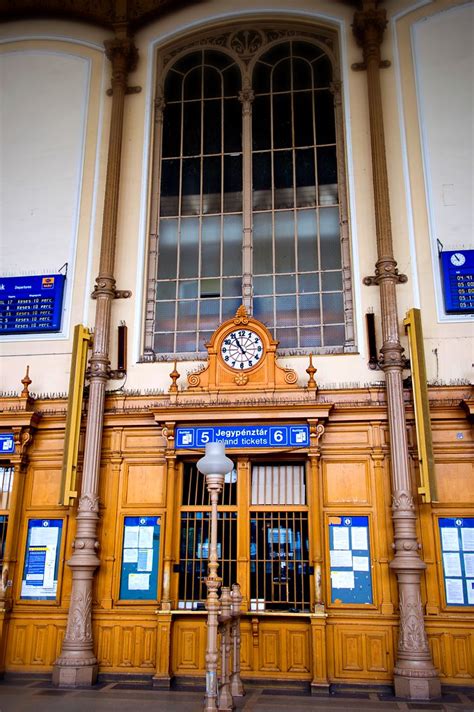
(455, 481)
(145, 484)
(269, 647)
(346, 481)
(297, 648)
(45, 490)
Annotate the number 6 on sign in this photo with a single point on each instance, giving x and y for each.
(278, 436)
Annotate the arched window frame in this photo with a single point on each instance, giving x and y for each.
(245, 45)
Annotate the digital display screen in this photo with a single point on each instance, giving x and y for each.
(31, 304)
(458, 281)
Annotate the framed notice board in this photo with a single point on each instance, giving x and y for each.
(457, 550)
(140, 555)
(40, 572)
(349, 552)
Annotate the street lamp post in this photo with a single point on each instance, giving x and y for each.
(214, 465)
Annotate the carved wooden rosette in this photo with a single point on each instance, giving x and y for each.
(415, 675)
(77, 664)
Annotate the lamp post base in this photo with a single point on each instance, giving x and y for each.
(417, 688)
(75, 675)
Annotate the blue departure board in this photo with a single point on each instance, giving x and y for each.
(31, 305)
(458, 281)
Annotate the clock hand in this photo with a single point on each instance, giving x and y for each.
(238, 344)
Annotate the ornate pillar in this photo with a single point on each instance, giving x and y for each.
(77, 664)
(414, 675)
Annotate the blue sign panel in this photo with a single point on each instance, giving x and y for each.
(457, 548)
(40, 573)
(7, 444)
(458, 281)
(140, 553)
(31, 304)
(244, 436)
(349, 551)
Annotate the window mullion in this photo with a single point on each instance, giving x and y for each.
(246, 97)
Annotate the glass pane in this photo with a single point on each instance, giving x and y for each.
(192, 128)
(232, 80)
(307, 241)
(232, 245)
(164, 313)
(232, 183)
(327, 165)
(333, 308)
(322, 71)
(286, 311)
(261, 134)
(286, 338)
(325, 125)
(307, 50)
(284, 242)
(163, 343)
(334, 335)
(169, 188)
(203, 338)
(331, 281)
(188, 289)
(211, 247)
(302, 75)
(232, 126)
(167, 248)
(191, 186)
(286, 284)
(211, 185)
(263, 310)
(329, 238)
(193, 84)
(232, 287)
(276, 53)
(305, 178)
(262, 244)
(212, 82)
(283, 179)
(262, 181)
(187, 312)
(229, 307)
(166, 290)
(261, 78)
(186, 341)
(212, 126)
(209, 313)
(173, 86)
(216, 59)
(189, 248)
(188, 62)
(282, 137)
(171, 130)
(310, 338)
(309, 309)
(210, 288)
(281, 77)
(308, 283)
(263, 285)
(303, 107)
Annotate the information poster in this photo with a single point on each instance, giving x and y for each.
(40, 573)
(457, 550)
(140, 553)
(349, 552)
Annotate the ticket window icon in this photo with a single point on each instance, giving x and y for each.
(6, 445)
(300, 436)
(187, 438)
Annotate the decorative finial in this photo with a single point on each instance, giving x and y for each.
(311, 370)
(174, 375)
(26, 380)
(241, 315)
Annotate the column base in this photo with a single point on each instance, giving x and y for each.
(161, 682)
(75, 675)
(417, 688)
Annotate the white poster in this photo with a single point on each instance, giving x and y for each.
(341, 558)
(145, 559)
(145, 537)
(138, 582)
(469, 565)
(359, 538)
(449, 539)
(130, 556)
(342, 579)
(340, 537)
(470, 590)
(360, 563)
(452, 565)
(130, 540)
(467, 536)
(454, 592)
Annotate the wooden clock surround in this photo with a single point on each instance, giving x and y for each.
(266, 375)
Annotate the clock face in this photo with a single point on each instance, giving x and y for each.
(458, 259)
(242, 349)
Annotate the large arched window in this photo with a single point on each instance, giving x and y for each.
(249, 193)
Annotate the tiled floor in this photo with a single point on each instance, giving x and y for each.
(32, 695)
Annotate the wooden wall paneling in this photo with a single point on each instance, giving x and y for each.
(431, 556)
(319, 663)
(363, 652)
(45, 484)
(172, 533)
(162, 676)
(437, 641)
(383, 534)
(297, 648)
(455, 478)
(246, 644)
(33, 643)
(188, 647)
(144, 483)
(346, 480)
(269, 648)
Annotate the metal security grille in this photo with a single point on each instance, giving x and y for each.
(279, 561)
(194, 553)
(195, 493)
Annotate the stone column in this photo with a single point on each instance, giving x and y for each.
(414, 675)
(77, 664)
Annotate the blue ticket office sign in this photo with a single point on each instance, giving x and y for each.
(458, 281)
(140, 556)
(349, 552)
(457, 549)
(31, 305)
(7, 444)
(244, 436)
(41, 569)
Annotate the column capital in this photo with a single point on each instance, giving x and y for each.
(122, 53)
